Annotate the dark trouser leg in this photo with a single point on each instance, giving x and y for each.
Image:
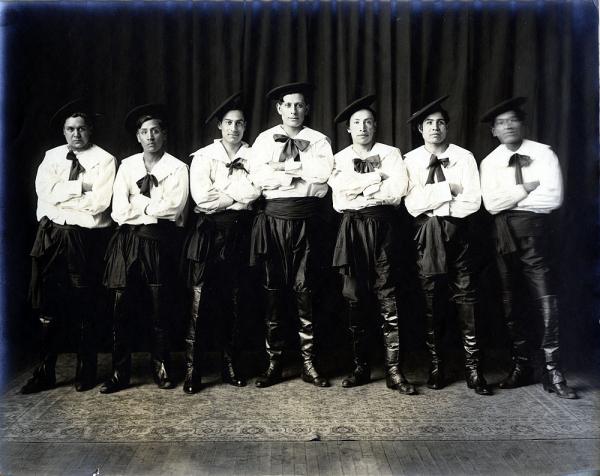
(274, 341)
(44, 376)
(121, 354)
(85, 378)
(468, 325)
(553, 379)
(231, 334)
(160, 337)
(361, 372)
(434, 320)
(464, 294)
(192, 349)
(520, 373)
(307, 339)
(537, 274)
(389, 323)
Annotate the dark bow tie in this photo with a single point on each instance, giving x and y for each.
(291, 147)
(518, 161)
(435, 168)
(76, 167)
(146, 183)
(368, 165)
(236, 164)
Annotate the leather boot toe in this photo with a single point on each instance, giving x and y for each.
(519, 376)
(112, 385)
(359, 376)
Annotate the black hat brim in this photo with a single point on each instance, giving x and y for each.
(83, 105)
(156, 111)
(232, 103)
(361, 103)
(433, 106)
(511, 104)
(277, 93)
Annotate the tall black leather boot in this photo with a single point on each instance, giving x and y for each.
(44, 376)
(87, 359)
(361, 373)
(433, 341)
(193, 380)
(394, 379)
(521, 373)
(307, 340)
(231, 335)
(474, 376)
(121, 354)
(553, 379)
(160, 337)
(274, 341)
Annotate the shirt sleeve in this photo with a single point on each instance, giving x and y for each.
(98, 199)
(423, 198)
(395, 185)
(317, 166)
(351, 183)
(169, 204)
(548, 195)
(123, 208)
(261, 174)
(240, 188)
(497, 194)
(469, 200)
(52, 187)
(205, 195)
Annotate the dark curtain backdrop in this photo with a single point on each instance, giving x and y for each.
(192, 55)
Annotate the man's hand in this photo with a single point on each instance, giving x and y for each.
(277, 165)
(455, 189)
(531, 186)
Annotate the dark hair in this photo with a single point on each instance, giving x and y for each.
(149, 117)
(441, 110)
(88, 118)
(223, 113)
(362, 109)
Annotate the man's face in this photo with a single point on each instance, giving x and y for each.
(292, 110)
(77, 133)
(232, 127)
(508, 128)
(151, 136)
(362, 126)
(434, 129)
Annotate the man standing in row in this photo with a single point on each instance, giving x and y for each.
(291, 163)
(368, 180)
(522, 184)
(149, 197)
(216, 251)
(74, 186)
(444, 190)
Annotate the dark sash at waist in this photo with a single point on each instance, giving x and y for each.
(432, 234)
(512, 224)
(523, 223)
(293, 208)
(378, 212)
(156, 231)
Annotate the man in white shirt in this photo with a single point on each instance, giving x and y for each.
(149, 197)
(216, 251)
(521, 184)
(74, 186)
(291, 163)
(443, 191)
(368, 180)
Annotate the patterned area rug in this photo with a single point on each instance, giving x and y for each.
(292, 410)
